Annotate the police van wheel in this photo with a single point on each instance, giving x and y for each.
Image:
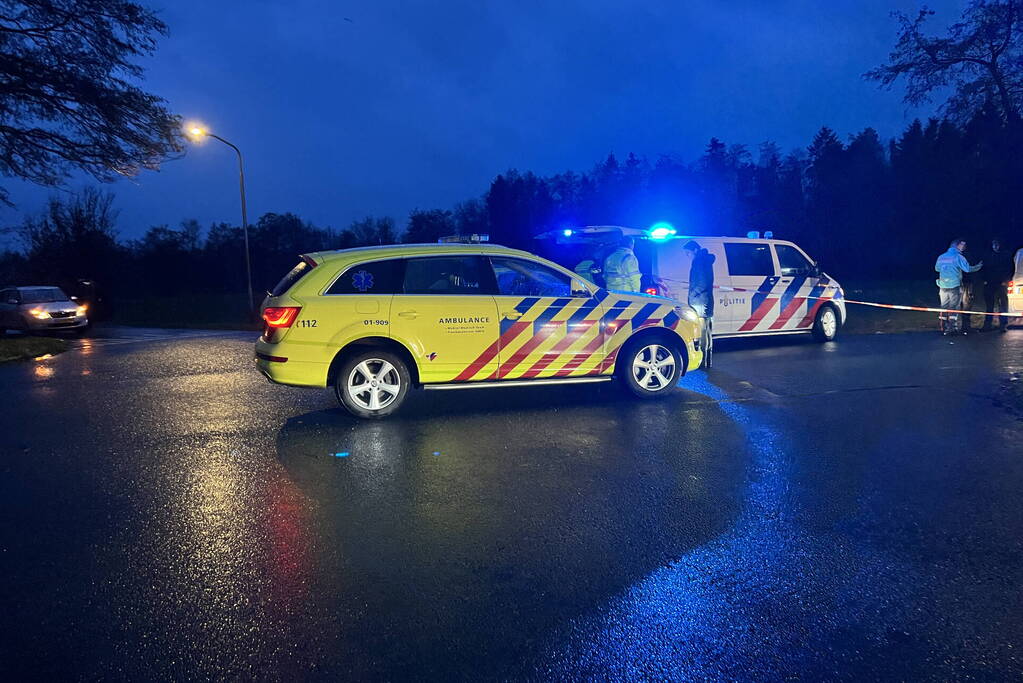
(650, 368)
(372, 384)
(825, 324)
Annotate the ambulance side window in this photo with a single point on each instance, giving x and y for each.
(749, 259)
(517, 277)
(448, 275)
(792, 261)
(375, 277)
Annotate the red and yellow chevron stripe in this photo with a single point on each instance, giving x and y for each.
(567, 337)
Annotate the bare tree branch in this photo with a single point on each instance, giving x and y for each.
(69, 98)
(980, 58)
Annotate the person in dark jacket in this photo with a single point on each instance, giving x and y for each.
(701, 280)
(998, 273)
(701, 293)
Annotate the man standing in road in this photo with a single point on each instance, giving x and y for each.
(999, 272)
(621, 268)
(950, 266)
(968, 291)
(701, 292)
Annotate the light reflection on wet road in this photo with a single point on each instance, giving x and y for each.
(795, 512)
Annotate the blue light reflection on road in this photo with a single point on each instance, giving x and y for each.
(697, 618)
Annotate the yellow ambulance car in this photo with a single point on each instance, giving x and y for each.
(373, 323)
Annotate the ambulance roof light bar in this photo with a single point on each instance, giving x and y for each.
(474, 238)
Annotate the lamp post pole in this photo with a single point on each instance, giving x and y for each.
(245, 219)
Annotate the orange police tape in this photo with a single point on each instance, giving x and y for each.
(873, 304)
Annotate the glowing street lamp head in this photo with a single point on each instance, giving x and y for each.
(196, 131)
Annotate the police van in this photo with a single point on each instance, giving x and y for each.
(762, 285)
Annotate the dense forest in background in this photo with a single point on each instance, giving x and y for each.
(864, 207)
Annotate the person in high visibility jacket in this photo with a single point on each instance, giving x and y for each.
(621, 268)
(951, 266)
(591, 267)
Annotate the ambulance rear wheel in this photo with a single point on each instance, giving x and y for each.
(825, 324)
(372, 384)
(650, 367)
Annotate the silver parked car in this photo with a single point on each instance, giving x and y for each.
(39, 309)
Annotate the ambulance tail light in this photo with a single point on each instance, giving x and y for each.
(653, 291)
(278, 317)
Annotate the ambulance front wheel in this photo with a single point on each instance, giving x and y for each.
(372, 383)
(825, 324)
(650, 367)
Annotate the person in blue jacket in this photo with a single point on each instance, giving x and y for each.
(950, 266)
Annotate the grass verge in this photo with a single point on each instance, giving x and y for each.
(229, 312)
(870, 320)
(21, 348)
(209, 312)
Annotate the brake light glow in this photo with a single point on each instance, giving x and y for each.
(651, 290)
(280, 316)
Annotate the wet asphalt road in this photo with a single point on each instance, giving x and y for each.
(845, 511)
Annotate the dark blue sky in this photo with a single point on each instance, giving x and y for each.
(419, 104)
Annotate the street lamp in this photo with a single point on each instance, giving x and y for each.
(197, 133)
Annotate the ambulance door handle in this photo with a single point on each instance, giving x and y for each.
(786, 279)
(409, 314)
(512, 315)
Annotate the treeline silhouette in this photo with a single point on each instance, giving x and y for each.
(864, 207)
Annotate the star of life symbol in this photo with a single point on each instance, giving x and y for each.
(362, 280)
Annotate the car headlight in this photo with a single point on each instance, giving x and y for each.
(689, 314)
(81, 310)
(39, 314)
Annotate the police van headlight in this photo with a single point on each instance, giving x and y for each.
(689, 313)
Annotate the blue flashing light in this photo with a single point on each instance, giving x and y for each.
(567, 232)
(753, 234)
(661, 231)
(342, 454)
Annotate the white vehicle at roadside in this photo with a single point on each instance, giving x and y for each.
(1016, 290)
(763, 286)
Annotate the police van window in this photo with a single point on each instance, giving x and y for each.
(749, 259)
(792, 261)
(448, 275)
(516, 277)
(375, 277)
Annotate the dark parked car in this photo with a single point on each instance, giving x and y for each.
(39, 309)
